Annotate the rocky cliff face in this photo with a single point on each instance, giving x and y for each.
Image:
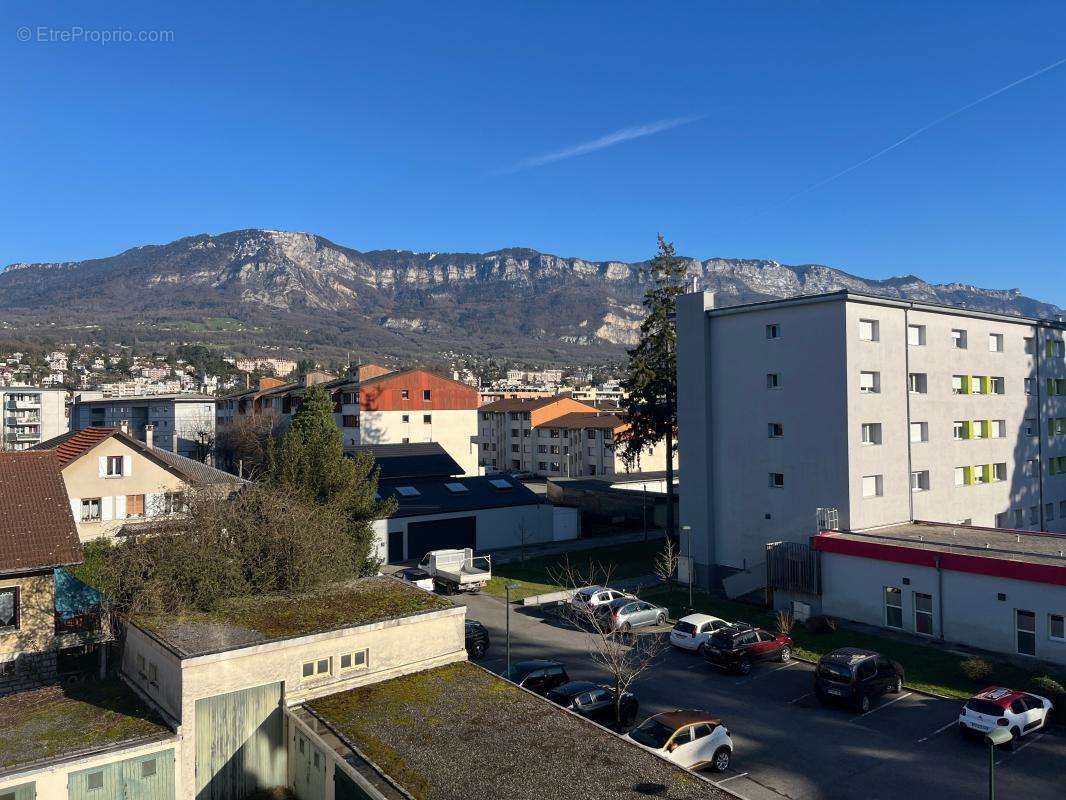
(300, 285)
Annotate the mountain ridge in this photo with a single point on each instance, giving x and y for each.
(306, 292)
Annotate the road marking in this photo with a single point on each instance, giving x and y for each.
(938, 731)
(885, 705)
(770, 672)
(801, 697)
(730, 778)
(1012, 753)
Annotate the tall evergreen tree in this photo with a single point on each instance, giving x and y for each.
(310, 462)
(650, 385)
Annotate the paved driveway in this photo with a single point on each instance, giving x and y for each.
(787, 744)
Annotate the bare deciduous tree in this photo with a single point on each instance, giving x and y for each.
(665, 564)
(241, 443)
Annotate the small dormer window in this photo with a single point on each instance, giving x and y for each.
(407, 491)
(455, 487)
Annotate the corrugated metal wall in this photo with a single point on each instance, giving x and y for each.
(149, 777)
(308, 769)
(25, 791)
(240, 743)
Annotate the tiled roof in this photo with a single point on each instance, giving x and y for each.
(585, 419)
(521, 403)
(36, 526)
(196, 472)
(73, 445)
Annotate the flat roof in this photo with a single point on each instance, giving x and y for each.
(844, 295)
(460, 731)
(1001, 544)
(247, 621)
(436, 495)
(197, 398)
(57, 722)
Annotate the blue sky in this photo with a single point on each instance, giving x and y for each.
(575, 128)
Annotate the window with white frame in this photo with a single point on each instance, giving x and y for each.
(871, 433)
(999, 471)
(919, 431)
(923, 613)
(114, 467)
(869, 330)
(920, 481)
(1030, 345)
(995, 342)
(960, 476)
(1025, 626)
(917, 383)
(999, 428)
(916, 335)
(872, 485)
(1056, 627)
(893, 607)
(997, 385)
(775, 430)
(9, 608)
(870, 382)
(773, 380)
(773, 331)
(90, 509)
(319, 668)
(958, 338)
(356, 660)
(959, 429)
(777, 480)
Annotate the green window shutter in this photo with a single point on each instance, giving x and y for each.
(967, 473)
(1050, 386)
(967, 429)
(986, 384)
(1050, 428)
(1049, 348)
(986, 428)
(987, 469)
(965, 384)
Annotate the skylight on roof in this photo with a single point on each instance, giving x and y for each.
(407, 491)
(456, 488)
(500, 483)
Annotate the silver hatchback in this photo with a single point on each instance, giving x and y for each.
(627, 613)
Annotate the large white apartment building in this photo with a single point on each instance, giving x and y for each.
(885, 410)
(30, 416)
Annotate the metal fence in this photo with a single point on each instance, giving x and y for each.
(793, 567)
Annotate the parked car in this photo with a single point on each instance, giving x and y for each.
(595, 702)
(627, 613)
(538, 675)
(691, 738)
(588, 598)
(739, 647)
(856, 677)
(477, 639)
(419, 577)
(1018, 712)
(694, 631)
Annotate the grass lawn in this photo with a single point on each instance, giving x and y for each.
(541, 575)
(928, 668)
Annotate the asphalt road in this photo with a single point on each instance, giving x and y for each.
(787, 744)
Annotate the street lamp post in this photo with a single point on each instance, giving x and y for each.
(994, 737)
(688, 529)
(509, 586)
(644, 509)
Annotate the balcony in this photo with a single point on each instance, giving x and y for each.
(23, 405)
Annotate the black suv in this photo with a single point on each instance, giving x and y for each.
(595, 702)
(477, 639)
(856, 677)
(538, 675)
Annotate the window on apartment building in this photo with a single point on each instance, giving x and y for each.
(1049, 512)
(555, 466)
(1030, 427)
(997, 385)
(999, 471)
(554, 433)
(356, 660)
(9, 608)
(542, 465)
(773, 331)
(1003, 519)
(525, 433)
(135, 505)
(515, 448)
(960, 475)
(590, 433)
(1056, 627)
(405, 440)
(958, 384)
(1018, 516)
(542, 448)
(872, 485)
(318, 667)
(995, 342)
(554, 449)
(1029, 385)
(893, 607)
(349, 421)
(958, 338)
(869, 330)
(916, 335)
(94, 781)
(773, 380)
(515, 433)
(917, 383)
(923, 614)
(427, 394)
(920, 481)
(775, 430)
(960, 429)
(777, 480)
(871, 433)
(999, 428)
(592, 452)
(919, 431)
(1034, 515)
(1030, 345)
(1062, 509)
(90, 509)
(980, 429)
(114, 467)
(870, 382)
(173, 502)
(427, 419)
(405, 394)
(1025, 626)
(1056, 348)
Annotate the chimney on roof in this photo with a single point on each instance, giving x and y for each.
(124, 426)
(149, 435)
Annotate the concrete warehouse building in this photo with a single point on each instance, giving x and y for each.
(884, 410)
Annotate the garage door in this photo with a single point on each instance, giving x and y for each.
(240, 743)
(443, 534)
(148, 777)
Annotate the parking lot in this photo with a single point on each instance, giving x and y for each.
(787, 743)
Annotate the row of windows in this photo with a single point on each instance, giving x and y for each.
(870, 331)
(169, 503)
(1019, 517)
(322, 668)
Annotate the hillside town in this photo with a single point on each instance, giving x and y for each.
(533, 402)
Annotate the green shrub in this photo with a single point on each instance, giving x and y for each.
(975, 668)
(1051, 689)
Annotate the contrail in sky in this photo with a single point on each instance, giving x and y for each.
(919, 131)
(609, 140)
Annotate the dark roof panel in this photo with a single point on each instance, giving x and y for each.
(434, 497)
(417, 460)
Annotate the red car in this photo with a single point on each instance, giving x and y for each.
(738, 647)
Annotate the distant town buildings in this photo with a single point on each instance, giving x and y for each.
(30, 415)
(278, 366)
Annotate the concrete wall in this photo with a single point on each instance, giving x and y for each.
(177, 423)
(496, 527)
(452, 429)
(31, 646)
(51, 412)
(51, 781)
(82, 479)
(853, 588)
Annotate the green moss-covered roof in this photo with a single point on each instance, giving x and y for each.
(54, 722)
(460, 731)
(253, 620)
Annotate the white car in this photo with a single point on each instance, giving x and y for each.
(690, 738)
(1019, 712)
(589, 598)
(693, 631)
